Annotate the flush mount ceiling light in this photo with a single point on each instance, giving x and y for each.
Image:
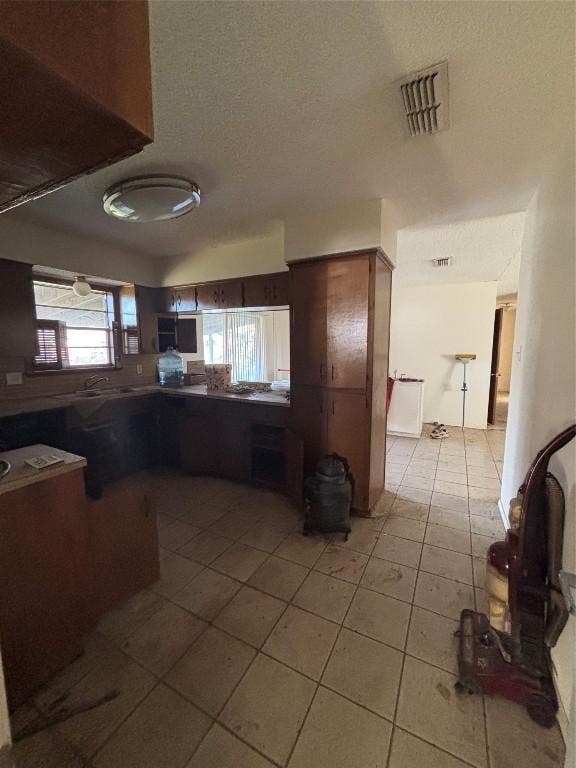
(81, 286)
(151, 198)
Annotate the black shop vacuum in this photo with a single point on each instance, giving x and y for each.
(508, 652)
(328, 497)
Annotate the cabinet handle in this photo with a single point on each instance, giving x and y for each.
(321, 372)
(215, 297)
(332, 372)
(178, 301)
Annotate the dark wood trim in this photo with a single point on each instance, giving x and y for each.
(376, 251)
(223, 280)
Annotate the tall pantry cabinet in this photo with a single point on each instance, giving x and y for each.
(340, 330)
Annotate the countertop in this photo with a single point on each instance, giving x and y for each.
(36, 404)
(17, 407)
(22, 475)
(201, 390)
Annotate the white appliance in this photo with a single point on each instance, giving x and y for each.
(406, 413)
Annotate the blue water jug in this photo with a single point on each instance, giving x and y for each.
(171, 369)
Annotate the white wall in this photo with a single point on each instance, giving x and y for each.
(32, 243)
(543, 385)
(354, 226)
(429, 324)
(253, 256)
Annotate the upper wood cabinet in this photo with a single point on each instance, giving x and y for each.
(308, 347)
(347, 303)
(180, 299)
(330, 306)
(147, 307)
(267, 290)
(17, 311)
(76, 91)
(224, 295)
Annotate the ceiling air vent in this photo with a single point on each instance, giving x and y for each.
(442, 262)
(425, 98)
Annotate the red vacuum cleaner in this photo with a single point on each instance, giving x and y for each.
(508, 652)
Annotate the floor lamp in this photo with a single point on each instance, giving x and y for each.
(464, 358)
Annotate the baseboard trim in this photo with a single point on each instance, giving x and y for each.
(503, 514)
(562, 716)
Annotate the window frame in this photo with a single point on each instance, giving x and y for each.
(114, 291)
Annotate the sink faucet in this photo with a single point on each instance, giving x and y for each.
(91, 381)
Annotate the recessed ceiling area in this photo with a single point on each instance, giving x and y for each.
(280, 108)
(480, 250)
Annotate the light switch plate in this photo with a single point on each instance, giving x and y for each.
(13, 379)
(139, 369)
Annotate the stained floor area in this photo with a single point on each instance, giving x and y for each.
(259, 647)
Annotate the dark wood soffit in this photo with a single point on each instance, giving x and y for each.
(378, 252)
(269, 275)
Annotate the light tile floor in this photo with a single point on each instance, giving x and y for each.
(260, 647)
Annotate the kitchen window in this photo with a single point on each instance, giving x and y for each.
(73, 331)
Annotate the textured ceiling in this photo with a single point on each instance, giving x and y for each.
(277, 108)
(482, 250)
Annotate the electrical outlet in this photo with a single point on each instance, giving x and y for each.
(13, 379)
(139, 369)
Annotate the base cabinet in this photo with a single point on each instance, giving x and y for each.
(243, 442)
(46, 585)
(64, 561)
(123, 545)
(333, 421)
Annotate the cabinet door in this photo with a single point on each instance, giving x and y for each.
(279, 290)
(348, 435)
(256, 292)
(267, 290)
(231, 294)
(166, 301)
(233, 426)
(348, 290)
(147, 304)
(46, 603)
(185, 299)
(208, 296)
(187, 335)
(308, 422)
(294, 456)
(123, 546)
(308, 323)
(17, 311)
(200, 439)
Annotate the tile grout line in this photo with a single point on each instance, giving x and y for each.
(409, 625)
(328, 659)
(484, 718)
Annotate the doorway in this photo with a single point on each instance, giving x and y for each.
(501, 366)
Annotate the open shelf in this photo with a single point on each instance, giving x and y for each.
(267, 453)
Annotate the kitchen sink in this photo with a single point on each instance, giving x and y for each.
(89, 394)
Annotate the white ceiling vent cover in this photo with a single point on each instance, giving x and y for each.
(425, 98)
(445, 262)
